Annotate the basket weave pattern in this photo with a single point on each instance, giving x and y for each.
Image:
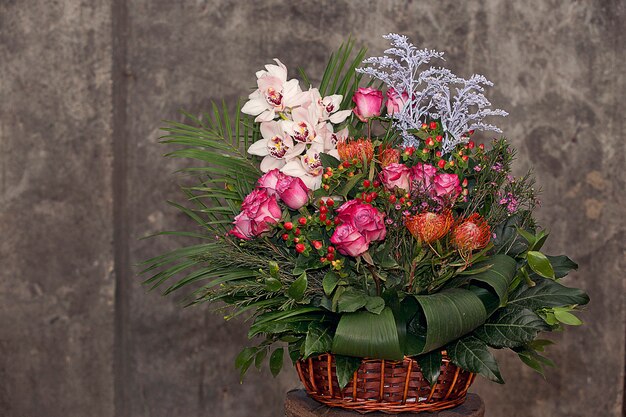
(384, 386)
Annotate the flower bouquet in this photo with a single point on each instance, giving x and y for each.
(359, 228)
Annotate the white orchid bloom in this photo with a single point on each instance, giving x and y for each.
(327, 107)
(274, 94)
(307, 167)
(276, 146)
(303, 126)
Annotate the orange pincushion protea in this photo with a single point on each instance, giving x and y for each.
(471, 234)
(389, 156)
(429, 227)
(355, 149)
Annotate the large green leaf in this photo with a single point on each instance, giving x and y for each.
(318, 340)
(540, 264)
(507, 239)
(448, 315)
(430, 365)
(472, 354)
(547, 293)
(276, 361)
(363, 334)
(346, 366)
(350, 301)
(499, 276)
(561, 265)
(510, 327)
(298, 287)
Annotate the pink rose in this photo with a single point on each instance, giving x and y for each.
(395, 101)
(396, 175)
(366, 219)
(368, 103)
(292, 191)
(349, 241)
(269, 180)
(422, 176)
(447, 186)
(258, 211)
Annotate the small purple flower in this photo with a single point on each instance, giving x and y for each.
(497, 167)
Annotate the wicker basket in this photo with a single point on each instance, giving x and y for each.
(384, 386)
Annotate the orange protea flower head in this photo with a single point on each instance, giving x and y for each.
(389, 156)
(358, 149)
(428, 227)
(471, 234)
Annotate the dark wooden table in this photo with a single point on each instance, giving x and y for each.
(298, 404)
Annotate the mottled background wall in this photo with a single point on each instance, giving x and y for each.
(83, 87)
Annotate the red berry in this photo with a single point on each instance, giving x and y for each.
(328, 222)
(471, 144)
(430, 141)
(363, 196)
(323, 209)
(322, 203)
(481, 146)
(302, 220)
(297, 232)
(323, 217)
(424, 125)
(441, 163)
(366, 183)
(410, 150)
(376, 183)
(374, 195)
(317, 244)
(330, 202)
(438, 154)
(369, 198)
(322, 259)
(336, 221)
(465, 158)
(425, 150)
(464, 183)
(402, 200)
(330, 256)
(433, 125)
(331, 249)
(392, 198)
(438, 138)
(346, 164)
(471, 132)
(300, 247)
(288, 225)
(285, 236)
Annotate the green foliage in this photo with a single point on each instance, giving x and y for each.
(430, 366)
(346, 366)
(472, 354)
(511, 327)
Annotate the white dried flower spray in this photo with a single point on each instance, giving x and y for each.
(429, 93)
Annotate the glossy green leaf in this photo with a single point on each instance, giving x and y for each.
(540, 264)
(329, 160)
(244, 360)
(364, 334)
(259, 358)
(346, 366)
(375, 305)
(298, 287)
(510, 327)
(561, 265)
(430, 365)
(534, 360)
(276, 361)
(318, 340)
(567, 318)
(329, 283)
(471, 353)
(499, 276)
(547, 293)
(449, 315)
(272, 284)
(350, 301)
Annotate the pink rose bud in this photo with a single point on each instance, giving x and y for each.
(396, 175)
(368, 103)
(447, 186)
(292, 191)
(349, 241)
(395, 101)
(259, 210)
(269, 180)
(366, 219)
(422, 175)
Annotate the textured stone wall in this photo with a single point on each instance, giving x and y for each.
(83, 87)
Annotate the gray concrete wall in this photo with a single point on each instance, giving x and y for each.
(83, 87)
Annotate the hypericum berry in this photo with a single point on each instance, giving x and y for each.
(409, 151)
(392, 198)
(330, 256)
(471, 144)
(438, 154)
(297, 232)
(366, 183)
(363, 196)
(331, 249)
(465, 158)
(288, 225)
(374, 195)
(346, 164)
(376, 183)
(285, 236)
(325, 176)
(438, 138)
(425, 150)
(481, 146)
(302, 220)
(330, 202)
(433, 125)
(326, 187)
(424, 126)
(321, 203)
(471, 132)
(323, 217)
(441, 164)
(300, 248)
(317, 244)
(336, 221)
(464, 183)
(368, 198)
(452, 163)
(402, 200)
(323, 209)
(296, 239)
(328, 222)
(322, 259)
(430, 141)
